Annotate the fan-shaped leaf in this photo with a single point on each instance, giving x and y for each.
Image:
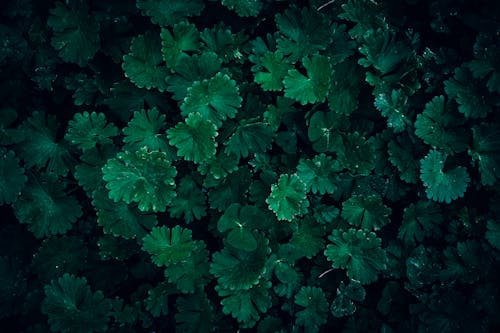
(288, 197)
(144, 64)
(73, 308)
(442, 184)
(143, 177)
(87, 130)
(194, 138)
(312, 87)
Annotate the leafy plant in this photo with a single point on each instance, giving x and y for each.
(249, 165)
(288, 197)
(443, 185)
(359, 252)
(143, 177)
(72, 307)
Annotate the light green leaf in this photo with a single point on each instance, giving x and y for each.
(442, 184)
(143, 177)
(312, 87)
(216, 99)
(144, 65)
(194, 138)
(76, 32)
(169, 246)
(288, 197)
(359, 252)
(271, 70)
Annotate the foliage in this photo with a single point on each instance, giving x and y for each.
(358, 251)
(443, 185)
(288, 197)
(12, 178)
(44, 205)
(168, 246)
(249, 165)
(144, 65)
(366, 212)
(312, 87)
(143, 177)
(215, 99)
(194, 138)
(72, 307)
(87, 130)
(315, 308)
(145, 129)
(76, 32)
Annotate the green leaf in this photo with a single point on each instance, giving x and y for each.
(314, 315)
(382, 51)
(302, 32)
(343, 304)
(359, 252)
(312, 87)
(190, 201)
(308, 237)
(194, 138)
(119, 219)
(59, 255)
(289, 277)
(219, 167)
(191, 274)
(216, 99)
(76, 32)
(442, 183)
(84, 86)
(45, 207)
(73, 308)
(89, 171)
(288, 197)
(169, 246)
(468, 93)
(143, 177)
(356, 154)
(324, 130)
(485, 152)
(88, 130)
(420, 220)
(144, 65)
(12, 177)
(250, 138)
(485, 64)
(366, 212)
(237, 269)
(271, 70)
(246, 305)
(404, 154)
(493, 233)
(231, 189)
(240, 221)
(184, 38)
(244, 8)
(189, 69)
(157, 300)
(439, 127)
(343, 96)
(365, 15)
(168, 13)
(146, 129)
(195, 313)
(319, 174)
(224, 43)
(394, 107)
(37, 144)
